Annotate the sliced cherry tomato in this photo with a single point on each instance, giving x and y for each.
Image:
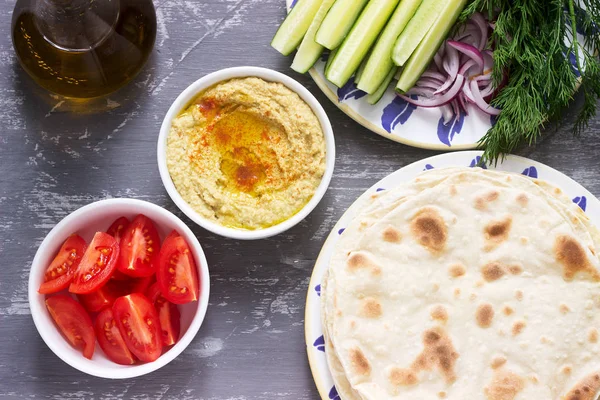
(168, 315)
(60, 272)
(101, 298)
(139, 248)
(177, 274)
(97, 265)
(117, 229)
(74, 322)
(172, 235)
(110, 339)
(140, 285)
(139, 325)
(119, 276)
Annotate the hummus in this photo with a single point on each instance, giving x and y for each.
(246, 153)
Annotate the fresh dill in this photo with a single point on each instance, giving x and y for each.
(538, 66)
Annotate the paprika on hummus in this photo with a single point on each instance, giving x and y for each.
(246, 153)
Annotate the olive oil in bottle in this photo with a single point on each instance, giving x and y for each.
(83, 48)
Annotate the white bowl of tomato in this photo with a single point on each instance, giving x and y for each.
(119, 288)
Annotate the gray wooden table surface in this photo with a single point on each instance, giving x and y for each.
(53, 161)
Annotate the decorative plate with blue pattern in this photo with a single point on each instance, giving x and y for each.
(315, 344)
(395, 119)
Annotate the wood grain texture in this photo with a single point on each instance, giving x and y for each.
(53, 161)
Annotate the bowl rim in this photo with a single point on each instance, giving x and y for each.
(122, 372)
(223, 75)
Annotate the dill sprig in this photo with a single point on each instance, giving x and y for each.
(538, 66)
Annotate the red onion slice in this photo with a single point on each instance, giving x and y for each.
(451, 62)
(440, 99)
(465, 67)
(480, 102)
(468, 50)
(482, 24)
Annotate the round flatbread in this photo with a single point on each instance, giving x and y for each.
(465, 283)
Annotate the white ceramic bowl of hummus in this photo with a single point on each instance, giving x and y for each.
(85, 222)
(224, 112)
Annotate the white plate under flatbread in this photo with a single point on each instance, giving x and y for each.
(465, 284)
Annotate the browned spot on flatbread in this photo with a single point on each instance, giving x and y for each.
(497, 232)
(518, 327)
(453, 190)
(439, 313)
(429, 229)
(442, 394)
(515, 269)
(438, 352)
(360, 364)
(391, 235)
(484, 315)
(403, 377)
(586, 389)
(563, 308)
(508, 310)
(566, 369)
(519, 295)
(371, 308)
(505, 385)
(497, 362)
(571, 255)
(593, 335)
(359, 260)
(493, 271)
(481, 201)
(457, 270)
(522, 200)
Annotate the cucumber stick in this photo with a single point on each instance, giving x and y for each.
(292, 30)
(338, 22)
(359, 40)
(309, 50)
(430, 44)
(417, 28)
(330, 60)
(380, 61)
(361, 68)
(374, 97)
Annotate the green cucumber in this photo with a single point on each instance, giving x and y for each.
(380, 60)
(417, 28)
(430, 44)
(329, 60)
(338, 22)
(292, 30)
(309, 50)
(374, 97)
(361, 68)
(359, 40)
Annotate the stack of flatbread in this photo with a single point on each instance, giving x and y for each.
(465, 284)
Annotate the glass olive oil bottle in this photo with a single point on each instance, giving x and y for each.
(83, 48)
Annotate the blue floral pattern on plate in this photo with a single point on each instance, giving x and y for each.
(530, 172)
(320, 343)
(475, 163)
(397, 112)
(333, 394)
(446, 132)
(581, 201)
(318, 290)
(341, 231)
(380, 190)
(428, 167)
(349, 91)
